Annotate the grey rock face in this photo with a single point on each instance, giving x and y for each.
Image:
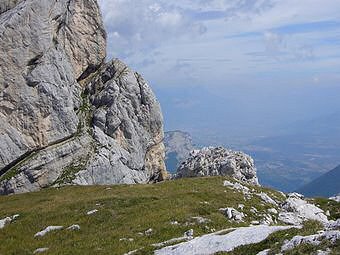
(45, 46)
(66, 117)
(55, 164)
(5, 5)
(211, 161)
(128, 126)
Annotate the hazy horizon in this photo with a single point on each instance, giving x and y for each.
(250, 66)
(235, 72)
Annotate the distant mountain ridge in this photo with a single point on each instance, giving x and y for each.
(178, 145)
(326, 185)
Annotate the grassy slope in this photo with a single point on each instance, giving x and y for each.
(124, 211)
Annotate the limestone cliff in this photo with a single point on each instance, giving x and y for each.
(66, 116)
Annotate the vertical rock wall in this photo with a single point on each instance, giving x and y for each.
(55, 89)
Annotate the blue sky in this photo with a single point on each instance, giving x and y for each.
(223, 47)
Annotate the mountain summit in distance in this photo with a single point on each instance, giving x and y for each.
(178, 145)
(326, 185)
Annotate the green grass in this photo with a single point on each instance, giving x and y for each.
(9, 174)
(13, 171)
(69, 172)
(124, 212)
(85, 115)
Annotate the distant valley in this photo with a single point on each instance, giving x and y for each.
(300, 153)
(307, 150)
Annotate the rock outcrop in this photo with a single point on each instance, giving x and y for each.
(336, 198)
(330, 235)
(66, 116)
(222, 242)
(212, 161)
(7, 220)
(290, 209)
(295, 210)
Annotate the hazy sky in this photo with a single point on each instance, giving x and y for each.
(248, 61)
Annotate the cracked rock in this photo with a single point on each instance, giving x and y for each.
(213, 161)
(66, 116)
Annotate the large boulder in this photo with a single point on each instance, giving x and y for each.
(213, 161)
(66, 116)
(295, 210)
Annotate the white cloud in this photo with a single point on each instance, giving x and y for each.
(274, 43)
(277, 13)
(143, 25)
(316, 79)
(286, 47)
(154, 36)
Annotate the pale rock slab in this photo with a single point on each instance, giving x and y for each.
(92, 212)
(40, 250)
(264, 252)
(7, 220)
(273, 211)
(47, 230)
(128, 126)
(267, 199)
(217, 242)
(74, 227)
(188, 235)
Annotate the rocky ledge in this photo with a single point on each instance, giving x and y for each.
(213, 161)
(67, 117)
